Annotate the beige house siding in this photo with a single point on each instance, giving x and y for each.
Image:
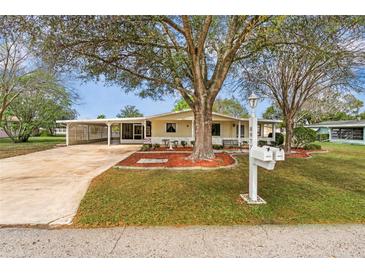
(183, 128)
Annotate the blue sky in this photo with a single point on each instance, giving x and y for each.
(95, 99)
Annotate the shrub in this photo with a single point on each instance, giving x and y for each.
(323, 137)
(312, 147)
(261, 143)
(192, 143)
(217, 147)
(146, 147)
(156, 146)
(303, 136)
(279, 138)
(184, 143)
(45, 133)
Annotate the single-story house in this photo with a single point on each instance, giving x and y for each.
(350, 131)
(174, 126)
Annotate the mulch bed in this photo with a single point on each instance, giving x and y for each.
(176, 160)
(173, 149)
(302, 153)
(185, 149)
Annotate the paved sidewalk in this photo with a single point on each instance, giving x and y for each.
(194, 241)
(46, 187)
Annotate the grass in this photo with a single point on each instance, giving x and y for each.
(10, 149)
(327, 188)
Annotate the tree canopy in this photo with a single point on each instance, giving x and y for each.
(129, 111)
(157, 56)
(320, 54)
(17, 61)
(38, 107)
(228, 106)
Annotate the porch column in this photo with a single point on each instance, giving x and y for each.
(239, 132)
(67, 134)
(88, 133)
(192, 130)
(274, 132)
(330, 134)
(120, 132)
(108, 134)
(144, 129)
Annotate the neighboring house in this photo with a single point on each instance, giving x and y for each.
(351, 131)
(59, 131)
(3, 133)
(13, 119)
(175, 126)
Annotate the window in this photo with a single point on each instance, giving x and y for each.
(348, 133)
(216, 129)
(127, 129)
(171, 127)
(268, 128)
(242, 131)
(148, 128)
(259, 130)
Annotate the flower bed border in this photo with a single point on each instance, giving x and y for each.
(235, 163)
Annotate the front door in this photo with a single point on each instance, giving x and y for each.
(137, 131)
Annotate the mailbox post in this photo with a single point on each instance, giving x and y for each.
(264, 157)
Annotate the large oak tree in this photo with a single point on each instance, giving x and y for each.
(158, 55)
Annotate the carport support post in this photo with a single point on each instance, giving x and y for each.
(67, 134)
(108, 124)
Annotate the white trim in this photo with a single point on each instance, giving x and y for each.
(116, 120)
(215, 140)
(335, 126)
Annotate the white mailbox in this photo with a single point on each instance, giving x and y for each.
(269, 165)
(278, 153)
(262, 153)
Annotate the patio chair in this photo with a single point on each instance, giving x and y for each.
(166, 142)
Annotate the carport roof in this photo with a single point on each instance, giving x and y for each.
(116, 120)
(100, 121)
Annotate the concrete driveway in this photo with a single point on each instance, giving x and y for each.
(46, 187)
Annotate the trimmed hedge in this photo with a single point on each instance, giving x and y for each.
(312, 147)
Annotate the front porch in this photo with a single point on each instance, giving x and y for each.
(176, 127)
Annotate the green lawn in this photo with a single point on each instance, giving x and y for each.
(328, 188)
(10, 149)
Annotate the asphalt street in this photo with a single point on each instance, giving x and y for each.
(190, 241)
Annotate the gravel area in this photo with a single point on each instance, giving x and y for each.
(191, 241)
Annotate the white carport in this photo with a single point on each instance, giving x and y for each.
(105, 130)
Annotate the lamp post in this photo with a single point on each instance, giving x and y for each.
(252, 197)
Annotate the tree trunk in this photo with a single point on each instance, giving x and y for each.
(203, 149)
(289, 126)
